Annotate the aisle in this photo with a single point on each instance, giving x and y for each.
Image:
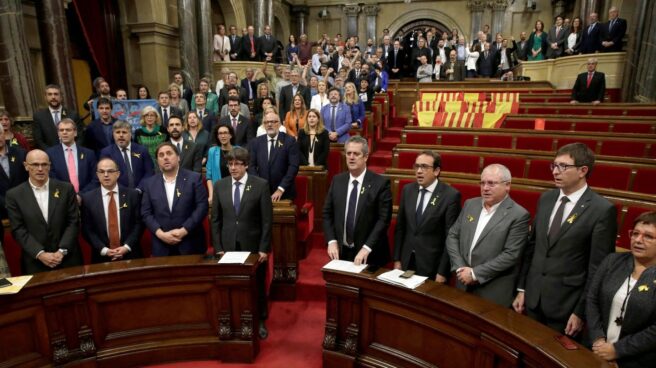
(295, 328)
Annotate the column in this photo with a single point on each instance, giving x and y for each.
(558, 9)
(300, 12)
(498, 13)
(259, 16)
(205, 38)
(638, 84)
(587, 7)
(53, 32)
(371, 11)
(476, 8)
(351, 12)
(270, 21)
(188, 41)
(16, 79)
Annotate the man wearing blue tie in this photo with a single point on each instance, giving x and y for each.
(337, 117)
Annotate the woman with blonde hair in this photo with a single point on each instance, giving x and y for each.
(177, 100)
(321, 98)
(194, 132)
(352, 100)
(295, 118)
(151, 133)
(313, 142)
(12, 139)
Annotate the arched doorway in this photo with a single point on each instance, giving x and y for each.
(407, 33)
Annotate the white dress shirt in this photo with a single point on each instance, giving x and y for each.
(569, 206)
(41, 195)
(169, 187)
(429, 193)
(483, 219)
(613, 331)
(242, 187)
(360, 180)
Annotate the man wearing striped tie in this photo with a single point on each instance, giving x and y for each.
(589, 86)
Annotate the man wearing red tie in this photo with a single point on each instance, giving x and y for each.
(589, 86)
(250, 45)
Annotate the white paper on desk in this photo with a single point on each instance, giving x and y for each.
(234, 257)
(344, 266)
(17, 284)
(393, 277)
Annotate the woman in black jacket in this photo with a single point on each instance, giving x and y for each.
(313, 140)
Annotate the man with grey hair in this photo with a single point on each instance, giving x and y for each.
(358, 210)
(486, 241)
(613, 31)
(590, 86)
(288, 92)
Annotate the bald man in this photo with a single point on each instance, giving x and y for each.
(44, 218)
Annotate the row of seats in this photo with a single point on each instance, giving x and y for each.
(609, 124)
(586, 109)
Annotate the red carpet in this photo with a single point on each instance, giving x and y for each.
(295, 328)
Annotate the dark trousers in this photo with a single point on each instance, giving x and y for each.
(347, 253)
(557, 325)
(260, 280)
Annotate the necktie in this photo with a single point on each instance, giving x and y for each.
(252, 45)
(590, 28)
(72, 173)
(236, 199)
(55, 117)
(294, 90)
(272, 143)
(128, 168)
(612, 23)
(165, 113)
(558, 219)
(179, 150)
(350, 215)
(420, 207)
(589, 80)
(234, 124)
(557, 31)
(112, 222)
(332, 118)
(200, 114)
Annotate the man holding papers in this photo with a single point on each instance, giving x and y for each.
(242, 215)
(358, 210)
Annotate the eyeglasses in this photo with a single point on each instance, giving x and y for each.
(106, 172)
(647, 238)
(422, 167)
(492, 184)
(270, 122)
(561, 167)
(39, 165)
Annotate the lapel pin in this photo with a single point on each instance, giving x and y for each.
(248, 188)
(137, 155)
(56, 195)
(177, 192)
(470, 218)
(434, 201)
(13, 159)
(81, 156)
(572, 218)
(125, 205)
(643, 288)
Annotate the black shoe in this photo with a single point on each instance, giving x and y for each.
(263, 331)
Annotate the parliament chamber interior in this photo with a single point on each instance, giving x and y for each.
(130, 127)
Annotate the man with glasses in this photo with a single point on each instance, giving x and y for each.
(133, 159)
(486, 242)
(111, 217)
(574, 229)
(589, 86)
(427, 209)
(44, 218)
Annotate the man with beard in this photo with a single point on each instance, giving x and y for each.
(191, 156)
(46, 120)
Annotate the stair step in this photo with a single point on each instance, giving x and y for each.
(398, 122)
(387, 143)
(380, 158)
(377, 169)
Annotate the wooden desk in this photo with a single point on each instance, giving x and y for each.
(133, 313)
(374, 324)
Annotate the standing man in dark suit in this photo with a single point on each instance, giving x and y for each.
(396, 61)
(72, 163)
(244, 130)
(556, 39)
(44, 218)
(206, 116)
(164, 108)
(242, 217)
(337, 117)
(522, 47)
(268, 45)
(174, 206)
(250, 46)
(98, 134)
(358, 210)
(487, 63)
(235, 43)
(589, 86)
(13, 170)
(275, 158)
(191, 156)
(613, 32)
(45, 120)
(132, 158)
(591, 38)
(486, 242)
(111, 217)
(288, 92)
(574, 229)
(426, 212)
(185, 91)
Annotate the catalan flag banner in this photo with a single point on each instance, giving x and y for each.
(453, 106)
(471, 97)
(426, 118)
(504, 96)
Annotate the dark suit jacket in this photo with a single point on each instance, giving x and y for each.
(245, 49)
(192, 156)
(487, 66)
(560, 40)
(281, 169)
(458, 71)
(286, 98)
(372, 216)
(235, 45)
(616, 35)
(189, 211)
(426, 239)
(497, 253)
(267, 46)
(86, 166)
(35, 234)
(582, 93)
(141, 163)
(557, 273)
(173, 111)
(95, 137)
(245, 130)
(522, 50)
(44, 130)
(209, 120)
(591, 40)
(94, 223)
(17, 175)
(321, 148)
(636, 341)
(394, 63)
(251, 227)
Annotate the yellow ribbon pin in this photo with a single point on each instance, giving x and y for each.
(56, 195)
(572, 218)
(470, 218)
(642, 288)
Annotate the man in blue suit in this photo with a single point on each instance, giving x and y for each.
(336, 117)
(174, 206)
(132, 158)
(591, 38)
(98, 134)
(70, 162)
(275, 158)
(111, 217)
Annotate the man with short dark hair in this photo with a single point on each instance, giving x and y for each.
(589, 86)
(191, 156)
(44, 130)
(132, 158)
(244, 130)
(574, 230)
(556, 39)
(206, 116)
(358, 210)
(98, 134)
(268, 45)
(336, 117)
(13, 171)
(233, 92)
(165, 109)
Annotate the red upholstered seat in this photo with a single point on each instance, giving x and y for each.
(592, 143)
(455, 162)
(421, 138)
(610, 177)
(623, 148)
(645, 181)
(592, 126)
(557, 125)
(518, 124)
(402, 183)
(406, 160)
(304, 209)
(623, 234)
(13, 253)
(464, 140)
(495, 141)
(621, 127)
(334, 164)
(527, 199)
(540, 170)
(534, 143)
(467, 191)
(514, 164)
